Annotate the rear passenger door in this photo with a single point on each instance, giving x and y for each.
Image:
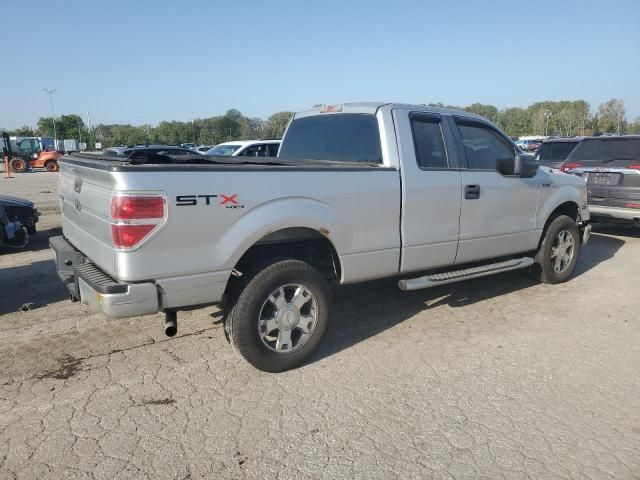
(498, 214)
(431, 191)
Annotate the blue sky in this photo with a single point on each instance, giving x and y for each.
(138, 62)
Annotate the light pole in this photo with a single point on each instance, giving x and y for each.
(51, 91)
(547, 115)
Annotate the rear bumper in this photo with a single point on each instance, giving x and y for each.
(614, 213)
(88, 284)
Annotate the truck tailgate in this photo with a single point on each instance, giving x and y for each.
(85, 200)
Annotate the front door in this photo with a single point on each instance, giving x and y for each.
(498, 213)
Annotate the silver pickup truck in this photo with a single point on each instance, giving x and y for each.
(358, 192)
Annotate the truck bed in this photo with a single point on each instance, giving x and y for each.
(355, 206)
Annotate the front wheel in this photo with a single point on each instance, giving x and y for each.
(51, 166)
(280, 316)
(558, 254)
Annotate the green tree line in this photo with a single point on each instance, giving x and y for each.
(563, 117)
(204, 131)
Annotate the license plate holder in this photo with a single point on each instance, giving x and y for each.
(604, 178)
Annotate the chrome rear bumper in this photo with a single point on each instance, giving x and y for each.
(91, 286)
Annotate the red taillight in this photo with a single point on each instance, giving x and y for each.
(127, 236)
(130, 208)
(632, 205)
(634, 167)
(566, 166)
(134, 218)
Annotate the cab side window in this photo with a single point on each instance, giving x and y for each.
(428, 142)
(486, 149)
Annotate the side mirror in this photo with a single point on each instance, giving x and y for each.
(525, 166)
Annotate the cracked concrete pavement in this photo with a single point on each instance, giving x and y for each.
(496, 378)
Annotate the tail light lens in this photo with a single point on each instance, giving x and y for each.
(129, 208)
(135, 218)
(634, 167)
(566, 166)
(632, 205)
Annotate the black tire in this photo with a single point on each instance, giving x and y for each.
(51, 166)
(544, 260)
(19, 165)
(242, 324)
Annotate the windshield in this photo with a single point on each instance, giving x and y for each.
(339, 137)
(226, 150)
(555, 151)
(607, 149)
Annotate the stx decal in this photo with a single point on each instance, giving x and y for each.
(228, 201)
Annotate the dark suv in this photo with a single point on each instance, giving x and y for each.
(553, 152)
(611, 168)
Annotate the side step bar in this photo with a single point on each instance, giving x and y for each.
(443, 278)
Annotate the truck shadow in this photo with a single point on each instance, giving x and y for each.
(599, 249)
(37, 284)
(616, 229)
(365, 310)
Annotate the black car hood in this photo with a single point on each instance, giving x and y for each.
(8, 201)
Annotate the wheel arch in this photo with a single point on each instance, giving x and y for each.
(569, 208)
(301, 243)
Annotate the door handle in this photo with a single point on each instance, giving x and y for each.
(471, 192)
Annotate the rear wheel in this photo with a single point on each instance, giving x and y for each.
(558, 254)
(18, 165)
(51, 166)
(280, 316)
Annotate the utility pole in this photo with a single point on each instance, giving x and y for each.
(51, 91)
(88, 122)
(193, 128)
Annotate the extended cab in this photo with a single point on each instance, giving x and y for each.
(358, 192)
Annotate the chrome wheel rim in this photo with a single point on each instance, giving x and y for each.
(288, 318)
(562, 251)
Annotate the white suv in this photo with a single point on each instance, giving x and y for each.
(246, 148)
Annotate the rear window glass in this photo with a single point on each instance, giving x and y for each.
(607, 150)
(340, 137)
(555, 151)
(428, 143)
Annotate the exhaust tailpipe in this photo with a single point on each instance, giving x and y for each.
(170, 323)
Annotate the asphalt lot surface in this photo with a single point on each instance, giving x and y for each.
(492, 378)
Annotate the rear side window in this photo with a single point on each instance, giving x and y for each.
(340, 137)
(428, 142)
(607, 150)
(255, 151)
(484, 148)
(555, 151)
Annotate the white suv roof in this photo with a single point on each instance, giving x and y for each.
(246, 143)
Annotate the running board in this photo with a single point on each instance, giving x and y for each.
(443, 278)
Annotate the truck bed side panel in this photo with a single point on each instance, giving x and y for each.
(358, 211)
